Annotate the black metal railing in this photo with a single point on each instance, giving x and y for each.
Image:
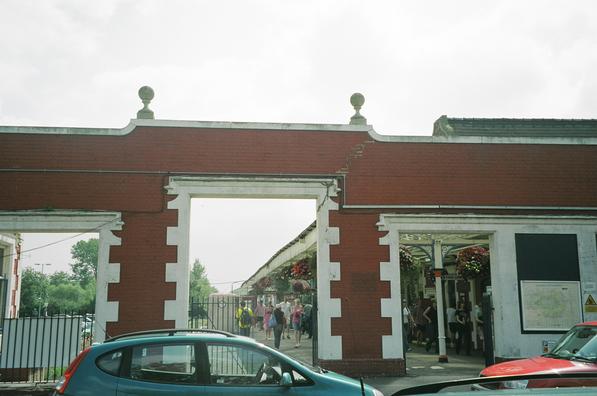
(39, 349)
(214, 312)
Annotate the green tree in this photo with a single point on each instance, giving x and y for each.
(199, 286)
(67, 298)
(59, 278)
(84, 267)
(34, 293)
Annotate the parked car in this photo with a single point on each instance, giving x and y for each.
(575, 352)
(492, 386)
(192, 362)
(87, 324)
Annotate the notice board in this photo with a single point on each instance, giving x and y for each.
(550, 305)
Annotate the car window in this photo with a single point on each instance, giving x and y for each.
(299, 379)
(166, 363)
(110, 362)
(239, 365)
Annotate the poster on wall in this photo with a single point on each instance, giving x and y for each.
(550, 305)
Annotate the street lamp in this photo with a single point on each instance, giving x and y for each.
(232, 285)
(44, 297)
(42, 266)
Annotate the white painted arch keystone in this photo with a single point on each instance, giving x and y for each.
(321, 189)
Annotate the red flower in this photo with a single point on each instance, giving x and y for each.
(473, 262)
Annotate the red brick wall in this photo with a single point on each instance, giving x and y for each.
(473, 174)
(143, 256)
(359, 289)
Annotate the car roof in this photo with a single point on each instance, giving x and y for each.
(174, 336)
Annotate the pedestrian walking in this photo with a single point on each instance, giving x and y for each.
(430, 315)
(420, 321)
(307, 325)
(407, 321)
(280, 320)
(463, 318)
(244, 315)
(452, 324)
(269, 310)
(259, 313)
(287, 309)
(296, 317)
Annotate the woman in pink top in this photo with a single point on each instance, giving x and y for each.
(296, 316)
(266, 316)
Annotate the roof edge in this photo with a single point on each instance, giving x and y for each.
(135, 122)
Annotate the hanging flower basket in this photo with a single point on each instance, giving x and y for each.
(473, 263)
(406, 260)
(262, 284)
(300, 286)
(301, 270)
(283, 274)
(281, 278)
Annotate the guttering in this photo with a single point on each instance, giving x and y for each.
(472, 207)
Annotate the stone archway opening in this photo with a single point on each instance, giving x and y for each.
(452, 269)
(323, 190)
(61, 221)
(246, 249)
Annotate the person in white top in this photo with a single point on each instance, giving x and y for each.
(407, 320)
(287, 309)
(452, 324)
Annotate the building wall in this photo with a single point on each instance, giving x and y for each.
(128, 174)
(11, 270)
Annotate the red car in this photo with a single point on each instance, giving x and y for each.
(575, 352)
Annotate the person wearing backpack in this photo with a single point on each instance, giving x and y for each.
(244, 315)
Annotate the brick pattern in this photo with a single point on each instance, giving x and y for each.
(473, 174)
(360, 289)
(142, 255)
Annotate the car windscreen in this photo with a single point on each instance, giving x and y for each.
(578, 343)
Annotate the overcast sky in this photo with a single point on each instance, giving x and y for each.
(74, 63)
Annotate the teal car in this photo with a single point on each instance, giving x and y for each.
(197, 362)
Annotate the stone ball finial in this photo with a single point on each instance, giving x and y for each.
(146, 95)
(357, 100)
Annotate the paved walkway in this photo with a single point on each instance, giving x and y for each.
(303, 353)
(423, 368)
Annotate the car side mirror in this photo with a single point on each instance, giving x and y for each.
(286, 380)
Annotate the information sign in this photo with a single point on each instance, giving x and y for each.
(550, 305)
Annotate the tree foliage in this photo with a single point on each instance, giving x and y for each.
(59, 278)
(62, 292)
(67, 297)
(84, 254)
(34, 289)
(199, 286)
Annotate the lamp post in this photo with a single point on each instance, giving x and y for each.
(232, 286)
(44, 297)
